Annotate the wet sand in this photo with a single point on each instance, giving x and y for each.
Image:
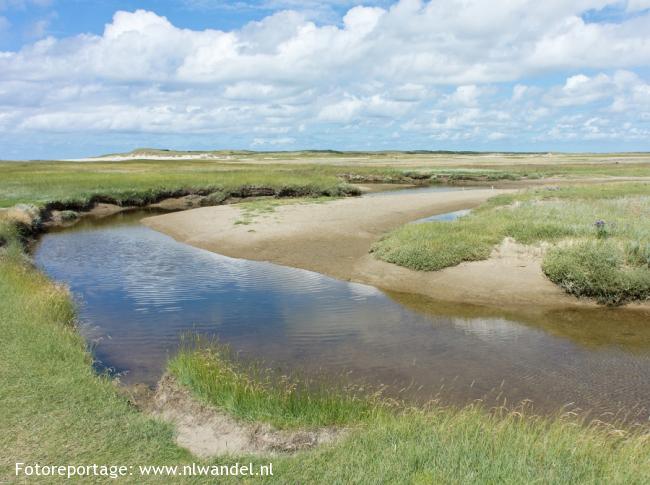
(334, 238)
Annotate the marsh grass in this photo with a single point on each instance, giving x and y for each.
(253, 392)
(468, 445)
(600, 237)
(77, 185)
(8, 231)
(141, 181)
(606, 270)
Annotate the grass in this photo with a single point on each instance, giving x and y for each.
(610, 271)
(254, 393)
(468, 446)
(55, 410)
(75, 185)
(8, 231)
(609, 262)
(142, 181)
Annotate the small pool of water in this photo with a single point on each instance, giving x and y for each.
(138, 291)
(422, 190)
(446, 217)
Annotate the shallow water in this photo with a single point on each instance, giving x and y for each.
(139, 290)
(423, 190)
(446, 217)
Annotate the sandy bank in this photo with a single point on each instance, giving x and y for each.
(207, 431)
(334, 239)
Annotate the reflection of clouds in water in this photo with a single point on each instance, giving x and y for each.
(363, 291)
(161, 274)
(492, 330)
(164, 276)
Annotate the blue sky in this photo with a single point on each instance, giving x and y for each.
(82, 77)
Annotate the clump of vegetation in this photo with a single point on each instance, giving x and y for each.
(604, 270)
(253, 393)
(68, 216)
(214, 198)
(439, 244)
(604, 260)
(8, 231)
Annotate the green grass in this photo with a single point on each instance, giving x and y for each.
(253, 393)
(78, 184)
(611, 264)
(8, 232)
(143, 181)
(607, 270)
(468, 446)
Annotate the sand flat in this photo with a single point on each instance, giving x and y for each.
(334, 238)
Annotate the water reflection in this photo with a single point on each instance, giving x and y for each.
(446, 217)
(422, 190)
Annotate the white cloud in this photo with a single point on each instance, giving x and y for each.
(519, 91)
(466, 95)
(341, 111)
(622, 87)
(287, 140)
(637, 5)
(433, 69)
(437, 42)
(39, 28)
(496, 135)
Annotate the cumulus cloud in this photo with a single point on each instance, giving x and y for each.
(637, 5)
(453, 70)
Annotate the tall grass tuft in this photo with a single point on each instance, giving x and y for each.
(599, 269)
(254, 393)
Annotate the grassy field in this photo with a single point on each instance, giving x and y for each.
(56, 410)
(138, 183)
(141, 181)
(600, 238)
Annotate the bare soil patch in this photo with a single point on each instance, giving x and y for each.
(207, 431)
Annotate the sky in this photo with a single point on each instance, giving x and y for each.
(86, 77)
